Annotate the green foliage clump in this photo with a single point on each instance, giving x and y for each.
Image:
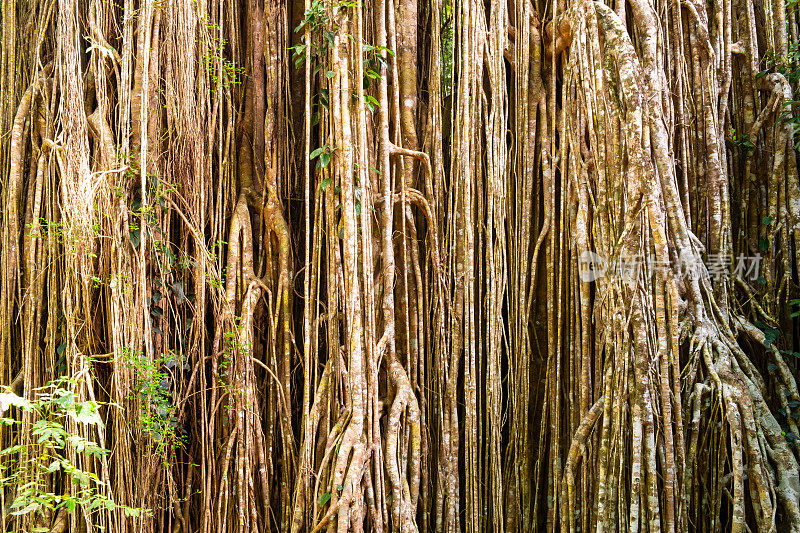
(39, 470)
(157, 416)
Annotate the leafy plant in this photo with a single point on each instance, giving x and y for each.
(789, 66)
(795, 308)
(314, 17)
(153, 389)
(219, 68)
(743, 141)
(34, 468)
(324, 155)
(770, 334)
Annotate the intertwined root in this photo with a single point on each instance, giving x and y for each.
(669, 312)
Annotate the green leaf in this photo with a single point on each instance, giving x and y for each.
(33, 506)
(65, 400)
(49, 431)
(371, 103)
(770, 334)
(324, 159)
(80, 477)
(324, 498)
(13, 449)
(86, 413)
(329, 35)
(324, 184)
(60, 348)
(330, 74)
(763, 244)
(69, 504)
(771, 367)
(316, 153)
(767, 220)
(10, 399)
